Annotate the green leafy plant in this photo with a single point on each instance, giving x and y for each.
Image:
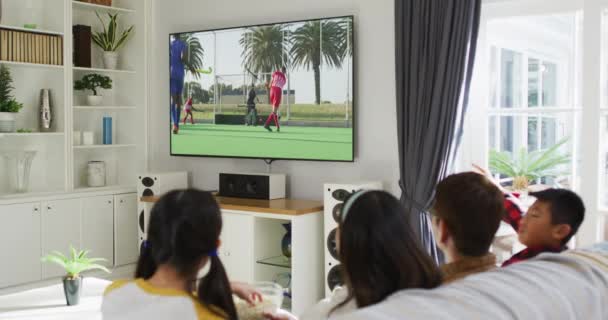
(93, 82)
(528, 166)
(7, 101)
(24, 130)
(77, 263)
(108, 39)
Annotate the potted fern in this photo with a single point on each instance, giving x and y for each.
(93, 82)
(74, 265)
(109, 40)
(529, 166)
(9, 107)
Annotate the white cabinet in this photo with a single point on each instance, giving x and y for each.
(236, 250)
(60, 230)
(125, 229)
(20, 243)
(98, 227)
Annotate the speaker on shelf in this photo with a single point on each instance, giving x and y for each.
(82, 45)
(334, 196)
(252, 185)
(155, 184)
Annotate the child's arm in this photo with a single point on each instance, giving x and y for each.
(511, 202)
(514, 212)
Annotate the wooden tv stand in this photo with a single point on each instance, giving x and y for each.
(251, 243)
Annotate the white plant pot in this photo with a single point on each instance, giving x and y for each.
(94, 100)
(110, 59)
(7, 121)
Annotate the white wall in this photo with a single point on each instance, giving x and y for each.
(376, 126)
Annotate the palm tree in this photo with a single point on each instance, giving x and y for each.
(264, 49)
(196, 53)
(316, 43)
(347, 37)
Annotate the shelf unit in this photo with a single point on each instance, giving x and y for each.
(41, 31)
(90, 6)
(59, 166)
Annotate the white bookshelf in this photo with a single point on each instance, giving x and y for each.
(97, 7)
(41, 31)
(105, 146)
(104, 108)
(101, 70)
(33, 65)
(59, 166)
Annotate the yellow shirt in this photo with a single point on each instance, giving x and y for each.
(138, 299)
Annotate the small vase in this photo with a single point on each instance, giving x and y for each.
(110, 59)
(7, 121)
(286, 241)
(96, 174)
(19, 164)
(46, 116)
(94, 100)
(71, 288)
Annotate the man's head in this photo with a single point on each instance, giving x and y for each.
(466, 214)
(553, 219)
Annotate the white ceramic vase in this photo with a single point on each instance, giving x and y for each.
(110, 59)
(7, 121)
(94, 100)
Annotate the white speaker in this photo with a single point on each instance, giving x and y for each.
(155, 184)
(334, 195)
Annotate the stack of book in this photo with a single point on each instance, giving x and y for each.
(30, 47)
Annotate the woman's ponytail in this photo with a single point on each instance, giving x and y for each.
(214, 289)
(146, 266)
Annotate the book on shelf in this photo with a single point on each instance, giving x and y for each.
(30, 47)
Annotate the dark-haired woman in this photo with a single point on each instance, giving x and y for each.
(379, 255)
(183, 237)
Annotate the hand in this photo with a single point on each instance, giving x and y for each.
(246, 292)
(488, 174)
(279, 315)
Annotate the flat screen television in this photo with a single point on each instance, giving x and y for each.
(272, 91)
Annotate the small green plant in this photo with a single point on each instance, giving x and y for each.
(77, 263)
(93, 82)
(7, 101)
(527, 167)
(108, 40)
(24, 130)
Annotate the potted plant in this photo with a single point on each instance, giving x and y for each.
(93, 82)
(109, 41)
(74, 265)
(527, 167)
(8, 105)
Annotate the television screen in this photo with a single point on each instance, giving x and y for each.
(274, 91)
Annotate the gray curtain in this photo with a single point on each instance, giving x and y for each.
(435, 51)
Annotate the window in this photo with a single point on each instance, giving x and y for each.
(536, 84)
(531, 88)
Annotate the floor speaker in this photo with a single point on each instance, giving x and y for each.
(334, 195)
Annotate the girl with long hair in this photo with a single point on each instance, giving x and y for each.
(379, 256)
(183, 237)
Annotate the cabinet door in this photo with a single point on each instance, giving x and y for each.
(98, 228)
(125, 229)
(60, 230)
(236, 250)
(20, 243)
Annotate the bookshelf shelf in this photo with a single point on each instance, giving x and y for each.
(104, 146)
(32, 65)
(90, 6)
(32, 134)
(104, 70)
(39, 31)
(99, 108)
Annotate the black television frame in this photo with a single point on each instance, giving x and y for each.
(271, 159)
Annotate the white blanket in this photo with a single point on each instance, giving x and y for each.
(571, 285)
